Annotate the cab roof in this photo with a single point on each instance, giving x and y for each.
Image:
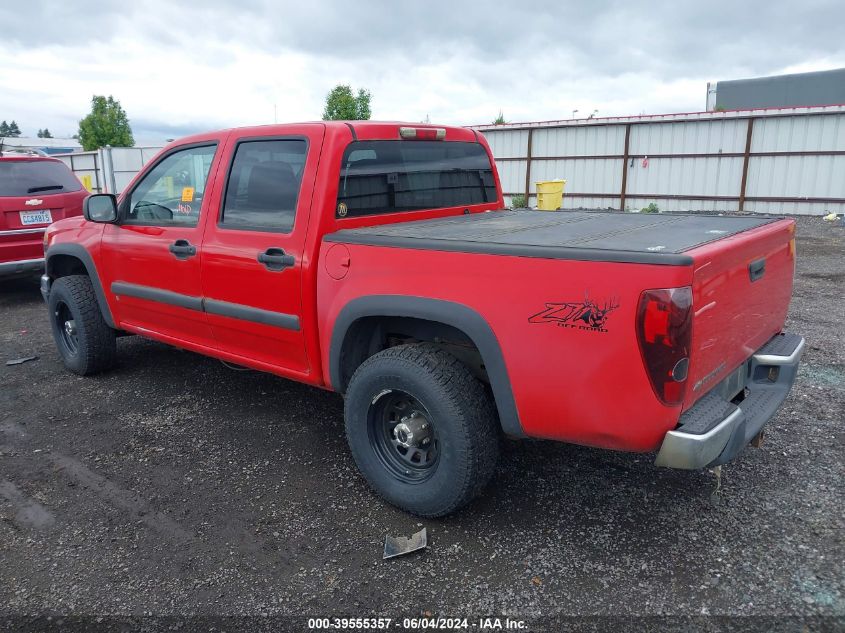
(358, 130)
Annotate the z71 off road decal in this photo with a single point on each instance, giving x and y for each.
(579, 315)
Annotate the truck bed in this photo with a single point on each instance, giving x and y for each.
(586, 236)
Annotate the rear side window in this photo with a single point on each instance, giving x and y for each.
(36, 177)
(263, 185)
(390, 176)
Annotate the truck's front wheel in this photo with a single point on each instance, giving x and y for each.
(421, 428)
(85, 341)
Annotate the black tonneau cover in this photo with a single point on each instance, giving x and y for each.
(610, 237)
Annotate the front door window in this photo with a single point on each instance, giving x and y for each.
(171, 193)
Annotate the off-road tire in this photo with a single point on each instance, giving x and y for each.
(461, 411)
(96, 348)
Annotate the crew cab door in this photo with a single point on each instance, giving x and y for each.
(254, 247)
(151, 257)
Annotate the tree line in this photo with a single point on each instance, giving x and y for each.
(106, 124)
(11, 130)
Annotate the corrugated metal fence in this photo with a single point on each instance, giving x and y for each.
(765, 161)
(108, 169)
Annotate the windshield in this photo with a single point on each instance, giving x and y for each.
(36, 177)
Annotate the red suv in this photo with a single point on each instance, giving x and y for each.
(35, 191)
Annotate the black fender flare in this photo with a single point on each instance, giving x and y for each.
(79, 252)
(449, 313)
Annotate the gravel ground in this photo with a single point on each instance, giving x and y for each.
(173, 485)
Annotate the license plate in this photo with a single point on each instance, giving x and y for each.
(29, 218)
(735, 382)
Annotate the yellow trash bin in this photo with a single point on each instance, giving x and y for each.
(550, 194)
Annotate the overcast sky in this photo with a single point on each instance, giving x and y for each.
(181, 69)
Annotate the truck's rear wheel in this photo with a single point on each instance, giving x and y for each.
(421, 428)
(85, 341)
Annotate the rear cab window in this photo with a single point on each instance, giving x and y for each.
(379, 177)
(36, 177)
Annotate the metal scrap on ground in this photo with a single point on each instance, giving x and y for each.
(399, 545)
(20, 361)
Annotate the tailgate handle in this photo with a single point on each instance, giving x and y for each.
(757, 269)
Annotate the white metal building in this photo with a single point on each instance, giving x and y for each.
(823, 87)
(789, 160)
(46, 145)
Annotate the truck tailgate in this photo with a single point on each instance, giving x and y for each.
(742, 284)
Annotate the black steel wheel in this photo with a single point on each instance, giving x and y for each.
(422, 429)
(403, 436)
(84, 340)
(66, 324)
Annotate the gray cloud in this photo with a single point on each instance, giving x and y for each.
(146, 130)
(460, 55)
(673, 38)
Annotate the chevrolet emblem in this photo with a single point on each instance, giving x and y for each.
(34, 202)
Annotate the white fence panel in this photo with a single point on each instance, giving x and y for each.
(685, 176)
(797, 176)
(799, 134)
(588, 175)
(125, 162)
(581, 141)
(108, 169)
(512, 175)
(790, 160)
(84, 166)
(689, 137)
(508, 143)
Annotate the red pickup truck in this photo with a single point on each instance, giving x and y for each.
(376, 260)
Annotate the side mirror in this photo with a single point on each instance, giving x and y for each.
(100, 207)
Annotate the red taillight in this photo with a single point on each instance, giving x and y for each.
(423, 133)
(664, 329)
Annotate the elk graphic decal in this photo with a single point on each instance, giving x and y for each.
(581, 315)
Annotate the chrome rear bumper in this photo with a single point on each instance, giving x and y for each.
(714, 431)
